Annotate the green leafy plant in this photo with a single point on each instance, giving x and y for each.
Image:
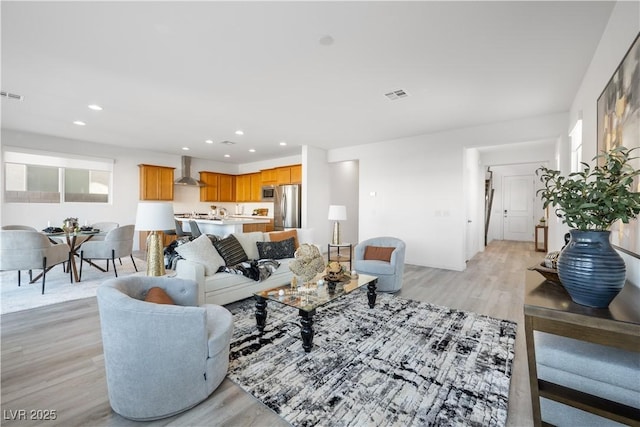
(594, 198)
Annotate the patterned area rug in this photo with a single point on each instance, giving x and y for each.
(402, 363)
(57, 287)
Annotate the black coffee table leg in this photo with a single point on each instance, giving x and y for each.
(306, 320)
(261, 313)
(371, 294)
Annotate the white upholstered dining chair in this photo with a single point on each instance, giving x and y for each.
(117, 243)
(31, 250)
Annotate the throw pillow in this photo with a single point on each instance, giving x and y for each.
(276, 250)
(380, 253)
(231, 250)
(279, 236)
(158, 296)
(201, 250)
(248, 242)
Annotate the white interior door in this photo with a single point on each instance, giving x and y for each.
(518, 207)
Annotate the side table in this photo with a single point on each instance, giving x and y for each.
(548, 308)
(337, 256)
(540, 245)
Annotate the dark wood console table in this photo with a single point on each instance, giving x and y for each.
(548, 308)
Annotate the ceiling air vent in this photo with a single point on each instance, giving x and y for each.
(396, 94)
(227, 142)
(12, 96)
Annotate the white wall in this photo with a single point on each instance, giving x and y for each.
(621, 30)
(315, 193)
(419, 186)
(343, 181)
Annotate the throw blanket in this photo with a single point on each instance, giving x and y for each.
(257, 270)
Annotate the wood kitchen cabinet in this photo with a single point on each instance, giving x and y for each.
(209, 193)
(156, 182)
(265, 228)
(219, 187)
(296, 174)
(248, 187)
(243, 188)
(269, 176)
(289, 175)
(227, 188)
(284, 175)
(255, 181)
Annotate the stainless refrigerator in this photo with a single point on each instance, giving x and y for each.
(287, 207)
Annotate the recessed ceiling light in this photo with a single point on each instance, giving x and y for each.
(185, 148)
(283, 143)
(252, 150)
(239, 132)
(227, 155)
(94, 107)
(209, 141)
(79, 123)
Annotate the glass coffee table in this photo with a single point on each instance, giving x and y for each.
(310, 297)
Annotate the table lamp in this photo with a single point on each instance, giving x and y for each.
(337, 213)
(154, 217)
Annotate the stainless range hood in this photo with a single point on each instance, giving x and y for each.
(186, 178)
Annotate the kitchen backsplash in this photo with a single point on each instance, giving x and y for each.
(187, 199)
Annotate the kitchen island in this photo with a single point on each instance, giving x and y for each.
(222, 227)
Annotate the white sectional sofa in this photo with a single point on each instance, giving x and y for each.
(223, 288)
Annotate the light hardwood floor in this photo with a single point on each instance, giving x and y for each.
(52, 356)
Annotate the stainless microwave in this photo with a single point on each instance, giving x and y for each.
(268, 193)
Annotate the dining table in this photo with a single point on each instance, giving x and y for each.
(74, 239)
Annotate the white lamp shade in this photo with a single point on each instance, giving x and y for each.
(337, 212)
(155, 216)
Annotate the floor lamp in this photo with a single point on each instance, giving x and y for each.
(155, 217)
(337, 213)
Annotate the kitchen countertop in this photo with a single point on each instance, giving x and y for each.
(229, 220)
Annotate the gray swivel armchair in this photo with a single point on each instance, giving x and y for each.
(117, 243)
(161, 359)
(389, 273)
(31, 250)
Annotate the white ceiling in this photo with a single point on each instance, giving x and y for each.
(173, 74)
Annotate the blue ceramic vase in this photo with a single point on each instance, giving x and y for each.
(591, 271)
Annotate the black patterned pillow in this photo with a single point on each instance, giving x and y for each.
(277, 250)
(230, 250)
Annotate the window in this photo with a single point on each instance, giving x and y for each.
(81, 185)
(43, 178)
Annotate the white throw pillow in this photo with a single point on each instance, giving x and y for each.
(248, 243)
(201, 250)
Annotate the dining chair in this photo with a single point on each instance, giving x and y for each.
(117, 243)
(104, 227)
(195, 229)
(18, 227)
(179, 231)
(31, 250)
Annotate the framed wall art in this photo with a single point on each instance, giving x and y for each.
(619, 125)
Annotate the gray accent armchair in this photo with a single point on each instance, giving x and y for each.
(161, 359)
(117, 243)
(390, 273)
(31, 250)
